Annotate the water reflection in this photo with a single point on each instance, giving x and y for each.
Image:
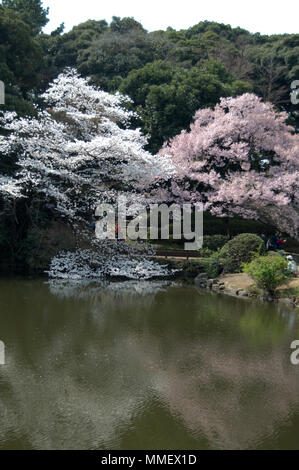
(146, 365)
(86, 289)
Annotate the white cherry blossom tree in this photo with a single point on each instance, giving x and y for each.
(76, 153)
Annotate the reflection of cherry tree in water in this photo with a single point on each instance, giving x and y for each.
(95, 383)
(241, 416)
(105, 294)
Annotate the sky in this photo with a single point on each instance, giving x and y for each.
(264, 16)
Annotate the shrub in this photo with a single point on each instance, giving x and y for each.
(214, 242)
(268, 272)
(254, 291)
(241, 249)
(211, 265)
(205, 252)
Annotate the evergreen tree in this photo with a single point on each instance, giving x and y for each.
(31, 12)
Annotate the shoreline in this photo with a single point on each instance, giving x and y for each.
(242, 286)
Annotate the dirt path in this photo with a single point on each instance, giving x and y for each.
(244, 281)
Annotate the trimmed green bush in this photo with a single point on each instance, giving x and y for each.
(205, 252)
(214, 242)
(268, 272)
(241, 249)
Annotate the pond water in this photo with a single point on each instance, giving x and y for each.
(144, 365)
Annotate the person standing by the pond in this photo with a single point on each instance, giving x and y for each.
(280, 242)
(116, 231)
(276, 242)
(264, 238)
(272, 243)
(292, 266)
(92, 225)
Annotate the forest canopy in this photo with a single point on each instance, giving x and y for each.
(168, 74)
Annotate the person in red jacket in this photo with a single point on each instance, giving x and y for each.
(280, 242)
(116, 232)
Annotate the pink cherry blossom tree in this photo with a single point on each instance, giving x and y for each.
(240, 159)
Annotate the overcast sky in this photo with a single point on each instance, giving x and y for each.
(264, 16)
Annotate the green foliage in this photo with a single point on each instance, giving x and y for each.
(268, 272)
(42, 243)
(289, 292)
(205, 252)
(167, 97)
(211, 265)
(20, 58)
(254, 291)
(125, 25)
(239, 250)
(168, 74)
(29, 11)
(73, 46)
(273, 66)
(115, 54)
(232, 226)
(214, 242)
(212, 245)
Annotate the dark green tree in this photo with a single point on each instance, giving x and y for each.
(20, 59)
(167, 97)
(114, 55)
(74, 43)
(31, 12)
(125, 25)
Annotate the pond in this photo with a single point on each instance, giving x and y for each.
(144, 365)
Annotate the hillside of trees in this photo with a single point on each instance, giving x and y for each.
(168, 74)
